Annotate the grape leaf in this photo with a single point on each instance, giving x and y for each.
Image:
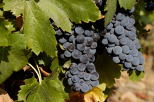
(127, 4)
(107, 69)
(62, 11)
(50, 90)
(16, 57)
(94, 95)
(135, 75)
(4, 53)
(15, 6)
(111, 6)
(4, 34)
(38, 31)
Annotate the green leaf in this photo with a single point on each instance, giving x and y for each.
(4, 34)
(55, 64)
(135, 75)
(127, 4)
(4, 53)
(15, 6)
(107, 69)
(111, 6)
(40, 36)
(62, 11)
(51, 90)
(16, 57)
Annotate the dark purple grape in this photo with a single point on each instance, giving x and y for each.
(94, 76)
(75, 78)
(76, 54)
(84, 59)
(84, 88)
(117, 50)
(79, 30)
(90, 67)
(81, 67)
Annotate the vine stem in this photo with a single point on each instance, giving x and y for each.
(38, 73)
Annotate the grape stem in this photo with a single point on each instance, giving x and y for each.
(38, 73)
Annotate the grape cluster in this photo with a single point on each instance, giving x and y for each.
(80, 47)
(121, 42)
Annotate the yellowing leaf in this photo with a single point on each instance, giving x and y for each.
(67, 64)
(96, 94)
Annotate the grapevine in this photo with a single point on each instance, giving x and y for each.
(70, 50)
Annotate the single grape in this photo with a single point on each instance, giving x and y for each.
(84, 88)
(112, 31)
(87, 76)
(68, 74)
(116, 59)
(117, 50)
(81, 82)
(74, 71)
(123, 41)
(134, 52)
(75, 78)
(117, 23)
(127, 65)
(84, 59)
(91, 57)
(81, 67)
(135, 61)
(110, 26)
(120, 16)
(80, 38)
(79, 30)
(94, 83)
(86, 50)
(81, 47)
(90, 67)
(92, 51)
(67, 53)
(94, 76)
(88, 41)
(81, 74)
(112, 38)
(96, 37)
(69, 81)
(94, 45)
(104, 41)
(71, 47)
(76, 54)
(77, 87)
(125, 49)
(72, 39)
(125, 21)
(129, 58)
(122, 56)
(66, 45)
(62, 40)
(140, 68)
(119, 30)
(109, 50)
(88, 33)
